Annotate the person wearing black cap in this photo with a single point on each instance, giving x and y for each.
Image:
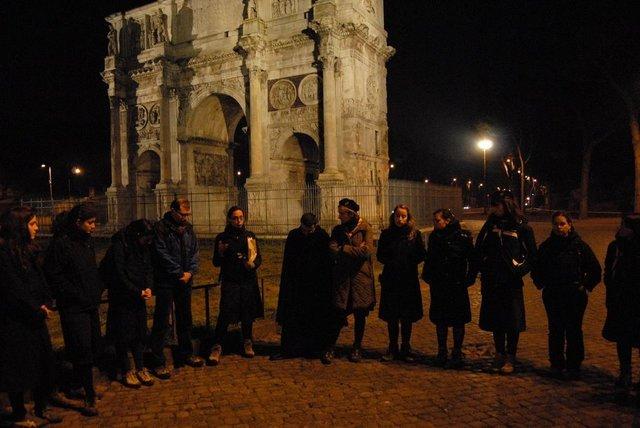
(352, 247)
(505, 252)
(622, 281)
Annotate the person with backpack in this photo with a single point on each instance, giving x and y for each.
(566, 271)
(622, 282)
(72, 271)
(505, 251)
(128, 273)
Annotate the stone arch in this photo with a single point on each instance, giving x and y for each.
(148, 170)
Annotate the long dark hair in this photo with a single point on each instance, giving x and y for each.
(411, 223)
(564, 214)
(138, 229)
(14, 233)
(511, 209)
(80, 213)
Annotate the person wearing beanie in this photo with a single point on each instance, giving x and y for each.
(351, 246)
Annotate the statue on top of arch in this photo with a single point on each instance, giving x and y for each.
(159, 27)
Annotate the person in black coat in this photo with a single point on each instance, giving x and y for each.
(447, 271)
(129, 277)
(566, 271)
(71, 268)
(175, 253)
(505, 251)
(237, 255)
(400, 250)
(26, 355)
(304, 300)
(622, 281)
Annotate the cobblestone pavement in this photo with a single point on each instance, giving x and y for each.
(371, 393)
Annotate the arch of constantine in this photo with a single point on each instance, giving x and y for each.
(279, 105)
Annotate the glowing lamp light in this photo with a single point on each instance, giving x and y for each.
(485, 144)
(43, 166)
(239, 173)
(76, 170)
(392, 165)
(426, 180)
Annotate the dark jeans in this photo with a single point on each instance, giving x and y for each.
(506, 342)
(565, 311)
(223, 325)
(179, 295)
(359, 324)
(122, 354)
(17, 402)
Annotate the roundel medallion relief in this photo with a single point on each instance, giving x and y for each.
(282, 94)
(308, 90)
(142, 116)
(154, 115)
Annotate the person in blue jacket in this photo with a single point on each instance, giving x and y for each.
(175, 249)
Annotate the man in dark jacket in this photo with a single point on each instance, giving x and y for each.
(352, 247)
(304, 300)
(176, 262)
(566, 270)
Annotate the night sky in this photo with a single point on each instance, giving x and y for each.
(536, 72)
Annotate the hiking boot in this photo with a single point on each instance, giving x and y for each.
(144, 377)
(49, 415)
(162, 372)
(214, 357)
(89, 408)
(327, 357)
(441, 357)
(248, 349)
(508, 366)
(130, 380)
(355, 355)
(194, 361)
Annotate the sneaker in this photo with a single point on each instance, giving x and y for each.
(498, 361)
(248, 349)
(355, 355)
(214, 357)
(23, 422)
(194, 361)
(441, 358)
(162, 372)
(391, 355)
(130, 380)
(508, 367)
(49, 415)
(327, 357)
(144, 377)
(89, 408)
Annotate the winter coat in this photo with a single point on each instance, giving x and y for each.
(132, 272)
(505, 251)
(447, 270)
(240, 298)
(305, 280)
(352, 248)
(26, 356)
(175, 251)
(622, 282)
(565, 264)
(72, 272)
(400, 296)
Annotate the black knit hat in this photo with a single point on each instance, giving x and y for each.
(349, 204)
(500, 196)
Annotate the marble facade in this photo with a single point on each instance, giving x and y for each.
(288, 93)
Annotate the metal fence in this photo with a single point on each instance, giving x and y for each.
(272, 210)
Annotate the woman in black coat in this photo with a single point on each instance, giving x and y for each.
(447, 271)
(128, 272)
(566, 271)
(71, 269)
(505, 251)
(304, 300)
(400, 250)
(236, 253)
(622, 281)
(26, 355)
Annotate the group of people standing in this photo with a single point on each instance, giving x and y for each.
(324, 279)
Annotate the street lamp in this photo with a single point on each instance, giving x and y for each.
(484, 145)
(50, 183)
(76, 170)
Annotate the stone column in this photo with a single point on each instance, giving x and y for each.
(116, 172)
(329, 115)
(123, 155)
(257, 95)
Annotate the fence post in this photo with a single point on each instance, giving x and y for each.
(207, 310)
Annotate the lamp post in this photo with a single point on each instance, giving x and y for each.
(50, 187)
(484, 145)
(76, 170)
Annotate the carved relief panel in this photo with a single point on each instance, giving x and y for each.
(284, 7)
(294, 91)
(210, 169)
